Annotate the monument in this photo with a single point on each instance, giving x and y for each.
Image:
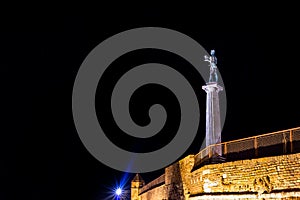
(259, 167)
(213, 123)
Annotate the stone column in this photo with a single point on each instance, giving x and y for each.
(213, 123)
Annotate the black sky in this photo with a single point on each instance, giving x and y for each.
(42, 156)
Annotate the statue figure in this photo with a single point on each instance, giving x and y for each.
(213, 77)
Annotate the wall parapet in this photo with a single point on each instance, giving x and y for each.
(156, 182)
(270, 144)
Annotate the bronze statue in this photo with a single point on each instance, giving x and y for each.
(213, 77)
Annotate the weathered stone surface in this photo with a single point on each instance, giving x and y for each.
(270, 177)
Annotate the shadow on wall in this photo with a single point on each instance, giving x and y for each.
(174, 181)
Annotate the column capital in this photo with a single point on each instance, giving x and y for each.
(209, 87)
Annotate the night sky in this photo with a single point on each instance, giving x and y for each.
(42, 156)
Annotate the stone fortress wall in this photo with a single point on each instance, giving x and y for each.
(263, 176)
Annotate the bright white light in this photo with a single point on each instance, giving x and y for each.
(119, 191)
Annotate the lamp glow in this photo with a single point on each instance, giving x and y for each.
(119, 191)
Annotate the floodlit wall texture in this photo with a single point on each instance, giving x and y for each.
(272, 177)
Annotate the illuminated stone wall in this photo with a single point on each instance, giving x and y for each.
(268, 178)
(177, 178)
(135, 190)
(263, 175)
(155, 193)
